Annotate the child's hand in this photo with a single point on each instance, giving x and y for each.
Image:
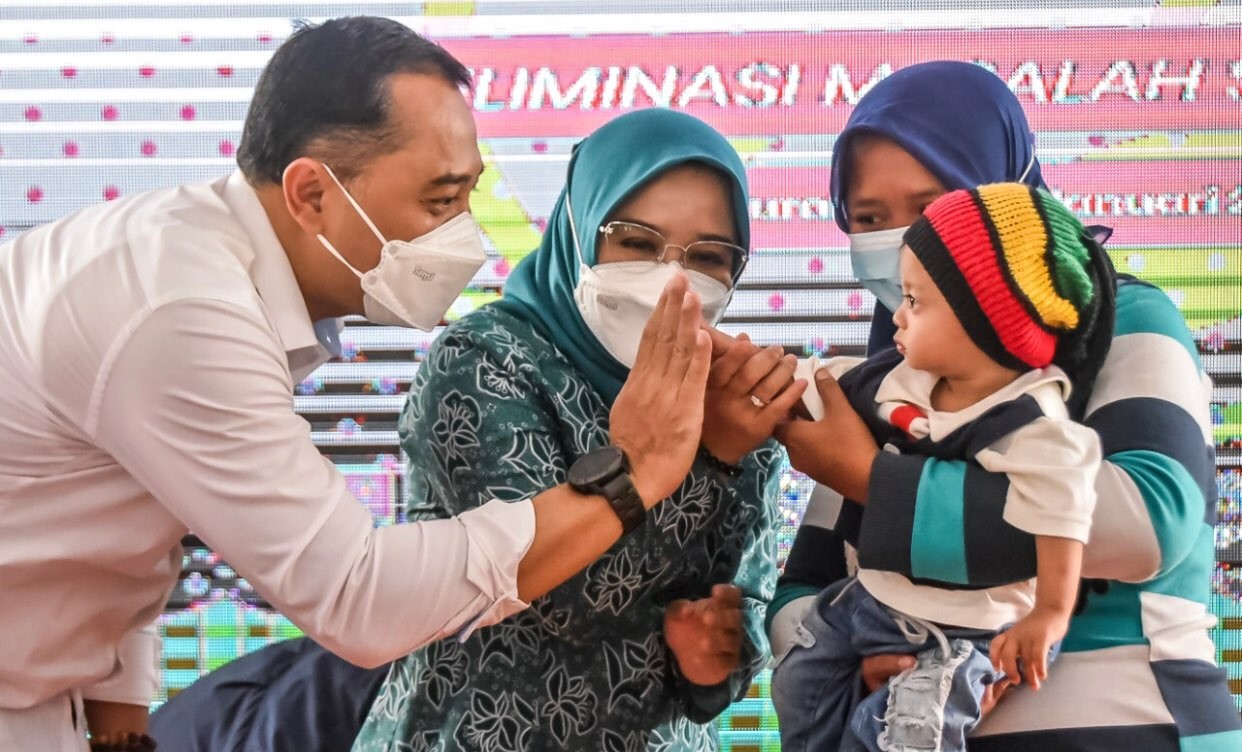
(1029, 641)
(706, 635)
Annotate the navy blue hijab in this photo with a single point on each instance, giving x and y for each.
(959, 120)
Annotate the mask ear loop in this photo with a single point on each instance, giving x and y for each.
(328, 244)
(349, 197)
(1029, 166)
(573, 228)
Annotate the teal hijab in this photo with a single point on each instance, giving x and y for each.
(606, 169)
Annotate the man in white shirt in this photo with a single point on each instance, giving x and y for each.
(148, 353)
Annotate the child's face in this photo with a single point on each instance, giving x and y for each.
(929, 334)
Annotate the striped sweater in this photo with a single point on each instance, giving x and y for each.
(1138, 669)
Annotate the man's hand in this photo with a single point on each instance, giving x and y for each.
(836, 450)
(749, 391)
(657, 418)
(706, 635)
(1029, 641)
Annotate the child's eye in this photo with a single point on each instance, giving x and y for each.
(909, 300)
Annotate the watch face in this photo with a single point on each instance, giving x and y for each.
(596, 466)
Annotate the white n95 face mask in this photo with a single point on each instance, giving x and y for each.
(876, 260)
(617, 299)
(416, 281)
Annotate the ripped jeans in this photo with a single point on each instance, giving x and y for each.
(820, 699)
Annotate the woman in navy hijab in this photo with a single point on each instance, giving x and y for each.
(1137, 669)
(910, 139)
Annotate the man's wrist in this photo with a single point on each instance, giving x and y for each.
(650, 497)
(607, 472)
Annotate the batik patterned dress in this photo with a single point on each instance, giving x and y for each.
(497, 412)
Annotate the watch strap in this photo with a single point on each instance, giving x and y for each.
(625, 501)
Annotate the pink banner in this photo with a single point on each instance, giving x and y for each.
(799, 83)
(1145, 202)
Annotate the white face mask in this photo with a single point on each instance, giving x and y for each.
(876, 259)
(416, 281)
(617, 299)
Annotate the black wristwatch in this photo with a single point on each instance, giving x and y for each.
(606, 472)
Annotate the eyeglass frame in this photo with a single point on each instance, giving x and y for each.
(605, 230)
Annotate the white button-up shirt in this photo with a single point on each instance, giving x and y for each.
(148, 349)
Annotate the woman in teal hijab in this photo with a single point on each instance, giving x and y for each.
(511, 395)
(605, 169)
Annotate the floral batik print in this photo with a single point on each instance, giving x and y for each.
(497, 412)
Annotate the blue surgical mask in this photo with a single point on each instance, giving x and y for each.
(876, 259)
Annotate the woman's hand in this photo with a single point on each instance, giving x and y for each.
(878, 669)
(836, 450)
(749, 391)
(705, 635)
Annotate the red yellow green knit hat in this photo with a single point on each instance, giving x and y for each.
(1014, 264)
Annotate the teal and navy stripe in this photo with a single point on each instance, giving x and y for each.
(984, 550)
(956, 502)
(1148, 436)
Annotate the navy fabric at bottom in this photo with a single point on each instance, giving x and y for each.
(293, 696)
(1155, 738)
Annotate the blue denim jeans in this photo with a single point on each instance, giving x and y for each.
(819, 695)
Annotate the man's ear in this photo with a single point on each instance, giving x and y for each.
(304, 183)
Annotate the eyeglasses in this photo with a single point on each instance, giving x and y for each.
(715, 258)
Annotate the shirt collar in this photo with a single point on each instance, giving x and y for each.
(906, 384)
(302, 339)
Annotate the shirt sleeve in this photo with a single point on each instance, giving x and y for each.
(808, 367)
(197, 406)
(1154, 489)
(478, 427)
(137, 677)
(1051, 465)
(1151, 408)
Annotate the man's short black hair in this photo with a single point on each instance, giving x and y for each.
(324, 94)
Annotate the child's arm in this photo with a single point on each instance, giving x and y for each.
(1058, 567)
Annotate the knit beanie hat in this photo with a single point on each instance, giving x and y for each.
(1029, 283)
